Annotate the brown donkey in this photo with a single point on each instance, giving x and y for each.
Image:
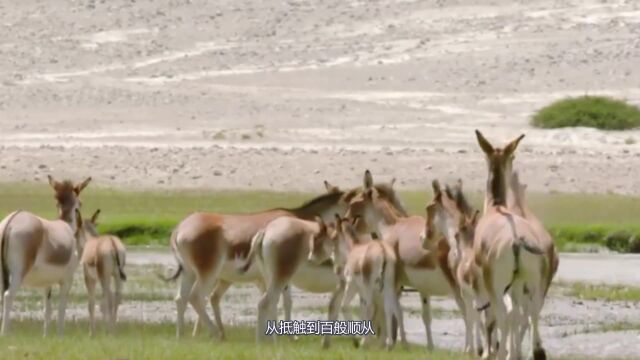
(41, 253)
(508, 251)
(203, 242)
(103, 260)
(281, 250)
(368, 267)
(424, 268)
(449, 213)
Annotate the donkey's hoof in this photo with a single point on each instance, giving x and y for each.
(356, 343)
(325, 343)
(539, 354)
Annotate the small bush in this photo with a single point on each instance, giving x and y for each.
(588, 111)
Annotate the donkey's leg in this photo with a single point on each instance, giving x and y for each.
(469, 326)
(218, 292)
(47, 310)
(65, 287)
(426, 319)
(202, 288)
(515, 318)
(368, 313)
(393, 311)
(107, 298)
(267, 308)
(90, 284)
(182, 297)
(537, 300)
(350, 292)
(334, 306)
(8, 297)
(501, 316)
(466, 308)
(117, 296)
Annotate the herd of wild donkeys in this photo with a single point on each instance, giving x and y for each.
(498, 266)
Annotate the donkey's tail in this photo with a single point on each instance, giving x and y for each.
(176, 274)
(4, 244)
(256, 247)
(119, 262)
(517, 247)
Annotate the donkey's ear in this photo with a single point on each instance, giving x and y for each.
(485, 145)
(78, 188)
(368, 179)
(435, 184)
(94, 217)
(511, 147)
(51, 181)
(393, 182)
(330, 187)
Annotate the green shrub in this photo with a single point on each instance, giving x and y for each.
(590, 111)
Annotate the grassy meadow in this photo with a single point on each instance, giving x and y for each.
(144, 341)
(147, 217)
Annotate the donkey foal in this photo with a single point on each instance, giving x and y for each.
(103, 259)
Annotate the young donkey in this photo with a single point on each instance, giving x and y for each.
(450, 214)
(103, 259)
(41, 253)
(204, 242)
(509, 253)
(424, 268)
(282, 249)
(368, 267)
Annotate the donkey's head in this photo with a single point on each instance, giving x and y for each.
(371, 205)
(322, 242)
(67, 197)
(445, 212)
(467, 230)
(85, 228)
(499, 166)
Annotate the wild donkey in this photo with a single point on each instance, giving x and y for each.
(282, 248)
(41, 253)
(103, 259)
(508, 251)
(450, 214)
(203, 242)
(368, 267)
(424, 268)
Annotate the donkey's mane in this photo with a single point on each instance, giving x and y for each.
(332, 197)
(310, 208)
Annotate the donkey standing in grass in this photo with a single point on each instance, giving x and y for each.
(368, 268)
(203, 242)
(424, 267)
(512, 261)
(41, 253)
(103, 260)
(450, 214)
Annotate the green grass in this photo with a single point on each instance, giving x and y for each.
(590, 111)
(147, 217)
(157, 341)
(604, 292)
(142, 341)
